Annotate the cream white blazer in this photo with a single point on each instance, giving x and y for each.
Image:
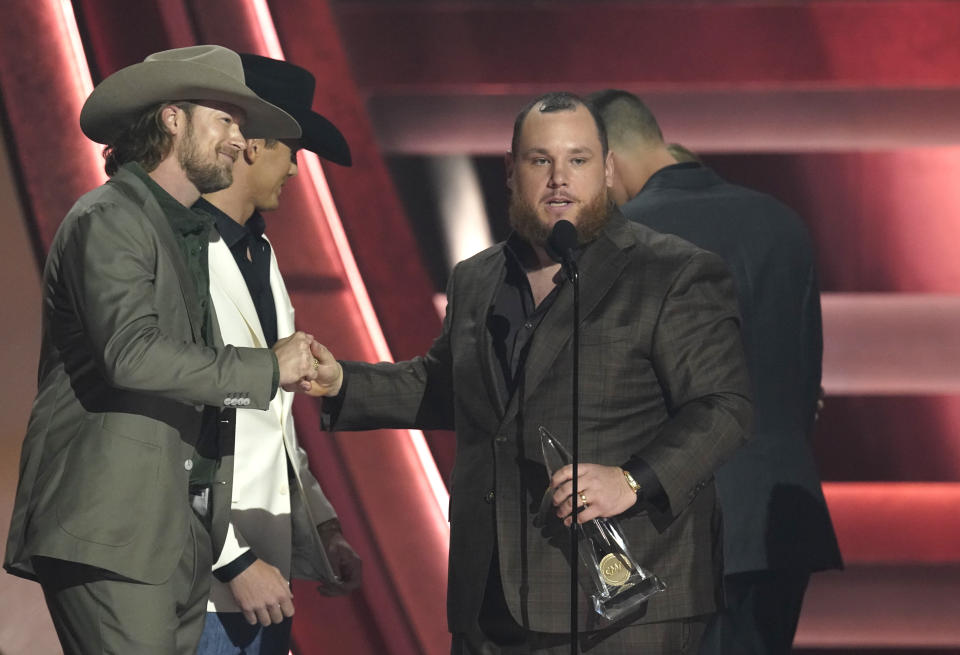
(261, 517)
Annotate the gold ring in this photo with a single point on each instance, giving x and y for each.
(316, 363)
(583, 498)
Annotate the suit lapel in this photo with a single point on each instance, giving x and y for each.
(281, 299)
(226, 275)
(493, 269)
(285, 327)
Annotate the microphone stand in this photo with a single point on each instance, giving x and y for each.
(561, 245)
(573, 274)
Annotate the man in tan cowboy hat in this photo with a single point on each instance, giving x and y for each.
(281, 523)
(126, 469)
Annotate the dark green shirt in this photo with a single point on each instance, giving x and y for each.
(192, 231)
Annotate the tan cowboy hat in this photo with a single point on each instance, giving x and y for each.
(202, 72)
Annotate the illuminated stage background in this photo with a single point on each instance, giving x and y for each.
(845, 110)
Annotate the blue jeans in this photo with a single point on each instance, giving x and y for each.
(228, 633)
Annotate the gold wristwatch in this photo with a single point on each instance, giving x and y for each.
(634, 485)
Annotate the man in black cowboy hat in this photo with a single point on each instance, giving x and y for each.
(124, 489)
(277, 502)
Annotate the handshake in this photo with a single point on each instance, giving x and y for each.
(306, 365)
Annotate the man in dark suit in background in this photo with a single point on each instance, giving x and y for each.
(663, 400)
(777, 529)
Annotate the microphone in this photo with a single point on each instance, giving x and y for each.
(560, 246)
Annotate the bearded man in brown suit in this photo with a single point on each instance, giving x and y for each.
(664, 398)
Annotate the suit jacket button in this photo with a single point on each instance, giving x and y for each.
(490, 497)
(246, 401)
(188, 465)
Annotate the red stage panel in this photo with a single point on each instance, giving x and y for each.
(895, 344)
(56, 163)
(882, 610)
(495, 48)
(889, 438)
(896, 522)
(707, 121)
(386, 251)
(880, 221)
(449, 77)
(118, 37)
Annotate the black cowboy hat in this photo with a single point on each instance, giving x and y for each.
(290, 87)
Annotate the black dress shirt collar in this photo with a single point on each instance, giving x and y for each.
(252, 253)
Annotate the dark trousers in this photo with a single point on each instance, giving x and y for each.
(761, 614)
(96, 611)
(680, 637)
(498, 633)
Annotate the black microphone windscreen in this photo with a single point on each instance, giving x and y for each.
(563, 239)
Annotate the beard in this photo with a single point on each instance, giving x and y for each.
(592, 217)
(207, 176)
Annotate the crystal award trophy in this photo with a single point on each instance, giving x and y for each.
(609, 575)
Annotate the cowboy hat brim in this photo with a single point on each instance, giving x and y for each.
(322, 137)
(291, 88)
(115, 103)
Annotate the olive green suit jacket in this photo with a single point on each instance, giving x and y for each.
(124, 375)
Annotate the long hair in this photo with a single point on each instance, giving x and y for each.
(145, 141)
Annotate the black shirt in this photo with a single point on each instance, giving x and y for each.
(255, 268)
(514, 317)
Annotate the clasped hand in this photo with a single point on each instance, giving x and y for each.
(295, 361)
(306, 365)
(329, 372)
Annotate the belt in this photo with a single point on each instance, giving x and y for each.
(200, 502)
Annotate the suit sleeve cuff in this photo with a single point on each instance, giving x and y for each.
(331, 406)
(228, 572)
(651, 491)
(276, 377)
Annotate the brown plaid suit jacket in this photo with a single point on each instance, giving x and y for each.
(662, 377)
